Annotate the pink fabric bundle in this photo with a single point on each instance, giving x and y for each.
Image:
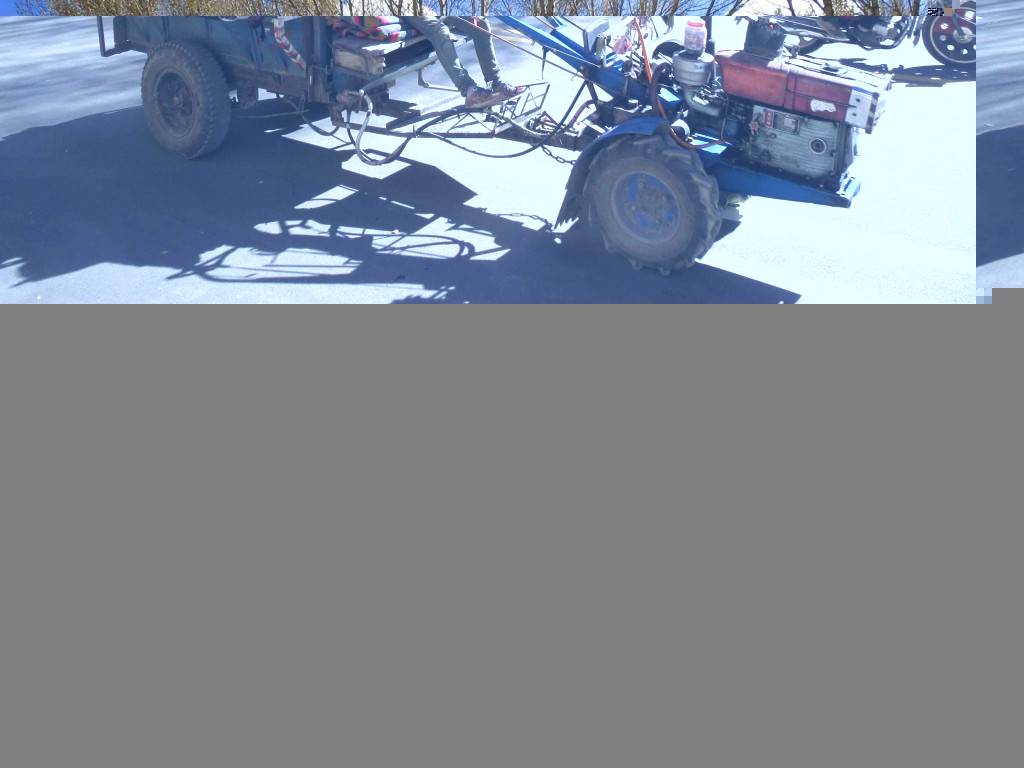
(388, 29)
(374, 22)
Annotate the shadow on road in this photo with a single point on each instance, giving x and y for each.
(260, 212)
(1000, 191)
(933, 75)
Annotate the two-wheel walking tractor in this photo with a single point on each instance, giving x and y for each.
(680, 137)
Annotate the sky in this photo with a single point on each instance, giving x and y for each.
(7, 8)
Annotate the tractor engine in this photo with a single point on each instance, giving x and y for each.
(797, 116)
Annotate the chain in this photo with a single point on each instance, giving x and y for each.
(556, 158)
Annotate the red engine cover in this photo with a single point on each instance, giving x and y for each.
(830, 93)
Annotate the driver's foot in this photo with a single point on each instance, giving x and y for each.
(481, 98)
(508, 91)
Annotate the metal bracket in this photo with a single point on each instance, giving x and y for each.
(595, 35)
(423, 83)
(104, 51)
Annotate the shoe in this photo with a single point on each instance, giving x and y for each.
(481, 98)
(508, 91)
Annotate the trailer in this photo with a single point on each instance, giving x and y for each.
(670, 141)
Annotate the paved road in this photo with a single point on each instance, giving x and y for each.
(93, 211)
(1001, 145)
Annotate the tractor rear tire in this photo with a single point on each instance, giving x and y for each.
(653, 203)
(186, 99)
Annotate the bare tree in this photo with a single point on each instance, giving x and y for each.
(386, 7)
(866, 7)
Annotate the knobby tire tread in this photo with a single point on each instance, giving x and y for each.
(215, 95)
(686, 166)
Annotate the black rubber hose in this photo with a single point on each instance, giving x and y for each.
(654, 86)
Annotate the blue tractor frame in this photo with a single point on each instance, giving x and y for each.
(605, 71)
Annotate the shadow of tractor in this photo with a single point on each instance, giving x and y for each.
(268, 211)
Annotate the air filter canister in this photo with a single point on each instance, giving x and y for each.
(690, 72)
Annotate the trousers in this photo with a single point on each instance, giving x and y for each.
(436, 31)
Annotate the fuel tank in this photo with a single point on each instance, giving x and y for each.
(807, 87)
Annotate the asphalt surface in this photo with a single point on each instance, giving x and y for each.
(1000, 257)
(94, 211)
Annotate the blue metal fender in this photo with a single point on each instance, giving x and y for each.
(572, 204)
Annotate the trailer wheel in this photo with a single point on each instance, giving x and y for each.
(185, 98)
(653, 203)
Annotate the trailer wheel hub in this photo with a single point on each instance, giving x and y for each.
(174, 100)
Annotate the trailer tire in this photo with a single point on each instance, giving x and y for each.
(186, 100)
(653, 203)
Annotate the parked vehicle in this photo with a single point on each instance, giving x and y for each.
(949, 31)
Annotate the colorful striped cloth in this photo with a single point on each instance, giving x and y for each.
(387, 29)
(373, 22)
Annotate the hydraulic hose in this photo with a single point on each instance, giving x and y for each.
(560, 128)
(357, 141)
